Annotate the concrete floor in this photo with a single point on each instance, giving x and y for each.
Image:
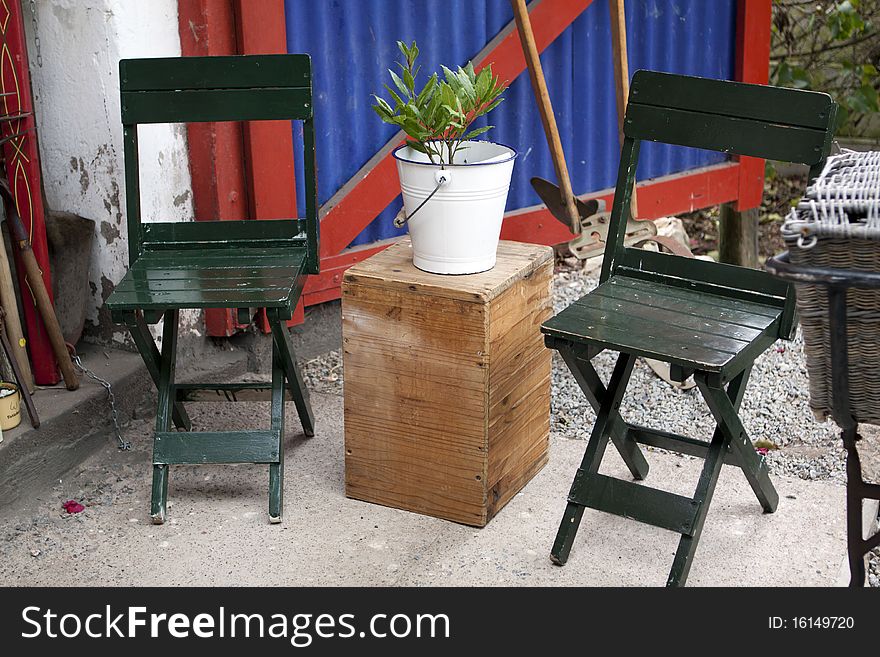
(217, 532)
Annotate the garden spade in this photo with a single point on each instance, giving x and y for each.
(592, 222)
(587, 220)
(563, 201)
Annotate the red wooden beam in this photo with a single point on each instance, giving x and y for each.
(22, 159)
(219, 192)
(668, 195)
(659, 197)
(325, 286)
(372, 188)
(268, 145)
(752, 65)
(216, 150)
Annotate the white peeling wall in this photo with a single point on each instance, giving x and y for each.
(76, 92)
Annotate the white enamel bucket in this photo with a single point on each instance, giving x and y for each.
(457, 230)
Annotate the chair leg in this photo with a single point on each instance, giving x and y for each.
(608, 409)
(687, 545)
(685, 515)
(150, 355)
(276, 470)
(159, 498)
(854, 501)
(594, 390)
(295, 383)
(164, 411)
(724, 408)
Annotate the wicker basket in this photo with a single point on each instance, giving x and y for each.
(863, 326)
(847, 241)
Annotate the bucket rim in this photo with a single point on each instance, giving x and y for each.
(513, 154)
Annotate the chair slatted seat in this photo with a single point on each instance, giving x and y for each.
(705, 319)
(212, 278)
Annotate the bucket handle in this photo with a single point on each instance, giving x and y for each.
(442, 177)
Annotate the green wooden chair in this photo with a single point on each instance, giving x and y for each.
(703, 318)
(216, 264)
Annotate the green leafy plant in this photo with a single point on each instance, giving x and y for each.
(438, 117)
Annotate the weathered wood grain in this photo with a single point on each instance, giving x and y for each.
(393, 269)
(519, 386)
(447, 382)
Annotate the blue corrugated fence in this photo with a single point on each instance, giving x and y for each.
(353, 43)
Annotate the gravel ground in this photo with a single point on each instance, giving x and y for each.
(324, 373)
(775, 408)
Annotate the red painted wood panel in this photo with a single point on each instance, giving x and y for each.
(752, 65)
(239, 170)
(325, 286)
(268, 145)
(660, 197)
(216, 150)
(22, 160)
(219, 189)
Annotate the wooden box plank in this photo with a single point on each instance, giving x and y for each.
(447, 382)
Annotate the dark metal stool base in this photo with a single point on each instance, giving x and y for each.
(838, 281)
(857, 491)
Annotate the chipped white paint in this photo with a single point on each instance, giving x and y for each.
(76, 94)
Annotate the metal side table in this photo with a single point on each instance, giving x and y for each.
(837, 282)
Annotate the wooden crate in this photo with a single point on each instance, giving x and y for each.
(447, 382)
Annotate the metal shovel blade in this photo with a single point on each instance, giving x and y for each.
(551, 196)
(590, 240)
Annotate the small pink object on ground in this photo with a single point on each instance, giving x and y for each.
(72, 506)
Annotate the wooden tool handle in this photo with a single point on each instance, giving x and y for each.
(47, 312)
(9, 304)
(18, 374)
(621, 74)
(41, 296)
(539, 85)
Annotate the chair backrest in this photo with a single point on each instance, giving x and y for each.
(730, 117)
(234, 88)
